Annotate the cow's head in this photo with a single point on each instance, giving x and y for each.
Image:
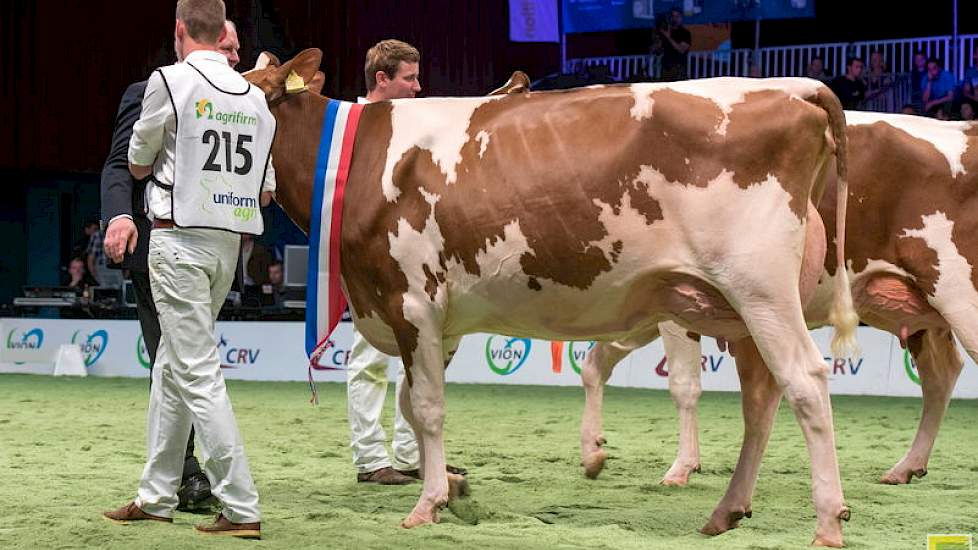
(278, 80)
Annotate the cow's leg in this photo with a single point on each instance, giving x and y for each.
(683, 354)
(778, 329)
(939, 365)
(427, 401)
(598, 364)
(760, 397)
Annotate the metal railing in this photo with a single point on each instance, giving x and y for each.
(793, 60)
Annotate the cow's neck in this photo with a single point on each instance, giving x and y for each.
(300, 122)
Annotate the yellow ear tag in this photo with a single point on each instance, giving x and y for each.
(294, 83)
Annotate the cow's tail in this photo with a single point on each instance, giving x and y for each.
(843, 315)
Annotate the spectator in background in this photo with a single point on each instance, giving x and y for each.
(78, 275)
(851, 88)
(98, 264)
(81, 245)
(252, 263)
(276, 276)
(967, 111)
(970, 84)
(816, 70)
(917, 76)
(878, 82)
(938, 88)
(673, 41)
(909, 109)
(755, 71)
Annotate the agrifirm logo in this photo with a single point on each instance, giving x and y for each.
(205, 107)
(142, 354)
(506, 355)
(233, 357)
(31, 339)
(948, 542)
(92, 344)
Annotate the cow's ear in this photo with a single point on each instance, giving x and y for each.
(316, 84)
(301, 69)
(267, 59)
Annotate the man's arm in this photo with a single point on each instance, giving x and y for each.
(268, 186)
(148, 131)
(117, 182)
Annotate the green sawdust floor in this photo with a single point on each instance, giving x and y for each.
(71, 448)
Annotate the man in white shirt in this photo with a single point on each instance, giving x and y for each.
(391, 71)
(200, 201)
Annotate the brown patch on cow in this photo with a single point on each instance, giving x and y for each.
(894, 180)
(431, 282)
(292, 156)
(558, 205)
(693, 336)
(534, 284)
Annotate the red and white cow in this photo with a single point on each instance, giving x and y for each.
(595, 213)
(911, 248)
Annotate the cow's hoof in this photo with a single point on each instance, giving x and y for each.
(721, 522)
(678, 475)
(416, 519)
(594, 463)
(902, 476)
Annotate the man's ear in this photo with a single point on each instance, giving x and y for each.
(316, 84)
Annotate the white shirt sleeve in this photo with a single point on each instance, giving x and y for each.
(147, 133)
(269, 183)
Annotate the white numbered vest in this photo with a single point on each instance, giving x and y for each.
(224, 142)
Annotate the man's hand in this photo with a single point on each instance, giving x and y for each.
(266, 198)
(120, 236)
(140, 172)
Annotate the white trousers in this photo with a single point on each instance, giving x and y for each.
(190, 273)
(366, 388)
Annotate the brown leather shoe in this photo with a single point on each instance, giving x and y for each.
(416, 474)
(224, 526)
(130, 513)
(385, 476)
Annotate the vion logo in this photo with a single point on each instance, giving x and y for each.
(92, 344)
(910, 366)
(32, 339)
(142, 354)
(576, 352)
(506, 355)
(234, 357)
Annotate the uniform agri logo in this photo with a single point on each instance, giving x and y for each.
(233, 357)
(142, 354)
(506, 355)
(204, 106)
(31, 339)
(92, 344)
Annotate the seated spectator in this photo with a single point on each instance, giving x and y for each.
(816, 70)
(78, 275)
(967, 111)
(909, 109)
(252, 263)
(850, 88)
(276, 276)
(969, 92)
(81, 245)
(938, 88)
(878, 81)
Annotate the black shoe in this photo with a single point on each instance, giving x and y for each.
(195, 494)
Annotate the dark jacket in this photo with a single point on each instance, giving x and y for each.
(121, 194)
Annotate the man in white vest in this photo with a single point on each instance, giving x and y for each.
(204, 139)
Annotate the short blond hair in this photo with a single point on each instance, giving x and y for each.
(204, 19)
(386, 56)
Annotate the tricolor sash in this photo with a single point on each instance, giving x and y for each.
(325, 302)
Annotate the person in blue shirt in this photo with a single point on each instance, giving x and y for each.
(938, 87)
(970, 83)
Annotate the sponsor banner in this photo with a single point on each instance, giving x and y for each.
(533, 21)
(275, 351)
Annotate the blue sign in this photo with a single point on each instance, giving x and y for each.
(611, 15)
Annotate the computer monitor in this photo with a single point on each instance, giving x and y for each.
(295, 265)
